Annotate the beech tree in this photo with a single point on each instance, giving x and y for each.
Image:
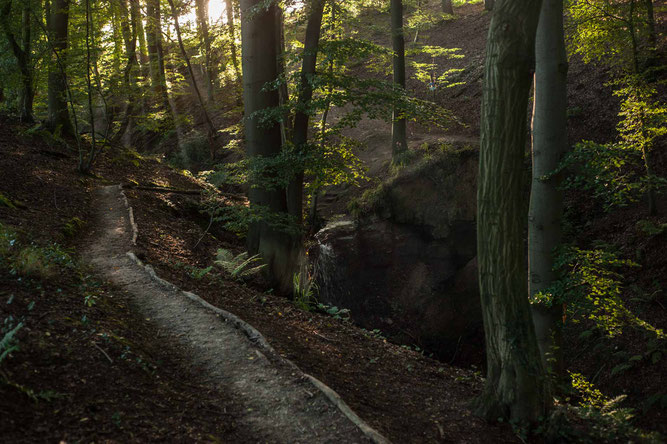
(263, 140)
(515, 387)
(22, 52)
(399, 142)
(546, 199)
(58, 22)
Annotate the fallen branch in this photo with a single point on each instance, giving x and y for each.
(103, 352)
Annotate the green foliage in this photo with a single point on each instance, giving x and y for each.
(73, 226)
(613, 32)
(342, 314)
(9, 343)
(650, 228)
(6, 202)
(240, 266)
(303, 290)
(618, 174)
(590, 285)
(604, 420)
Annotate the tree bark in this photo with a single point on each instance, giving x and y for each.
(399, 142)
(155, 52)
(515, 387)
(201, 7)
(305, 94)
(488, 5)
(546, 200)
(447, 7)
(57, 100)
(232, 37)
(207, 119)
(128, 22)
(259, 58)
(22, 55)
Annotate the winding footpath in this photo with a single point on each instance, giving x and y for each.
(280, 403)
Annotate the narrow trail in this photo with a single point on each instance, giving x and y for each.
(280, 403)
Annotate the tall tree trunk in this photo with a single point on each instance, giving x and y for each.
(399, 141)
(259, 56)
(201, 7)
(650, 21)
(155, 52)
(22, 53)
(57, 103)
(85, 167)
(207, 119)
(447, 7)
(488, 5)
(229, 9)
(546, 200)
(129, 32)
(516, 387)
(305, 94)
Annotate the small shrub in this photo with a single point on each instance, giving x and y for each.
(73, 226)
(304, 288)
(240, 266)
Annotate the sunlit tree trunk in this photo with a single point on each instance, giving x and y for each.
(57, 103)
(399, 142)
(155, 52)
(129, 32)
(207, 119)
(546, 200)
(229, 9)
(259, 57)
(515, 387)
(201, 7)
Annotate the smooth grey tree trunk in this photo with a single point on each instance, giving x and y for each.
(546, 200)
(57, 100)
(399, 140)
(260, 65)
(516, 388)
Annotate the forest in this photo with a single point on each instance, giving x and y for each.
(333, 221)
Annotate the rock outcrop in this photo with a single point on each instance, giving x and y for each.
(406, 264)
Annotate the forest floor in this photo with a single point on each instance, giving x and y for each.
(91, 367)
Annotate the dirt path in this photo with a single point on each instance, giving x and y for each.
(281, 404)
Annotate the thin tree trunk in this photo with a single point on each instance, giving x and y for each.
(546, 200)
(650, 21)
(155, 52)
(515, 387)
(399, 142)
(232, 38)
(84, 168)
(207, 119)
(201, 7)
(447, 7)
(129, 32)
(259, 56)
(302, 117)
(57, 102)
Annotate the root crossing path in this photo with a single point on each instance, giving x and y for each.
(280, 403)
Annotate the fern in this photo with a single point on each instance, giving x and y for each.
(8, 343)
(240, 266)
